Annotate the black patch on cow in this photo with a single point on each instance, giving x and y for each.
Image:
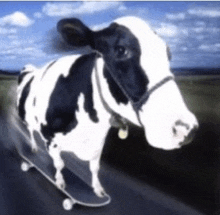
(127, 87)
(63, 104)
(21, 76)
(24, 95)
(121, 52)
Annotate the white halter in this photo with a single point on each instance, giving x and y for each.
(117, 120)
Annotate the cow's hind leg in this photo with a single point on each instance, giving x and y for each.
(54, 152)
(94, 168)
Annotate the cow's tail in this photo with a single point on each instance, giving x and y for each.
(26, 74)
(25, 78)
(27, 71)
(13, 97)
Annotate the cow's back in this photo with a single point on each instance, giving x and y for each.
(47, 97)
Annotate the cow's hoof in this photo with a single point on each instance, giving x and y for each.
(100, 192)
(61, 184)
(34, 149)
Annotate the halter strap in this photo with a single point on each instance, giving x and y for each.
(137, 105)
(116, 119)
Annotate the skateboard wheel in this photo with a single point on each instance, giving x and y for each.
(68, 204)
(25, 166)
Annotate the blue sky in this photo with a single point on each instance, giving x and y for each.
(191, 29)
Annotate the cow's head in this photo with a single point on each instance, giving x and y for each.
(137, 60)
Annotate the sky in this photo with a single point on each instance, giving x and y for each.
(28, 29)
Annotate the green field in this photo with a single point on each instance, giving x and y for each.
(8, 86)
(202, 96)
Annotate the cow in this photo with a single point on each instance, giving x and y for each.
(73, 101)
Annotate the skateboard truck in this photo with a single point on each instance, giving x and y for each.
(68, 203)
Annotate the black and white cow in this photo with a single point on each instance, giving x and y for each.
(69, 102)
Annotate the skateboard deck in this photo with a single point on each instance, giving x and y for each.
(76, 174)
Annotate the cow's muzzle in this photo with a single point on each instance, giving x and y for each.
(191, 135)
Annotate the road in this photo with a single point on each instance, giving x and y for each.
(30, 193)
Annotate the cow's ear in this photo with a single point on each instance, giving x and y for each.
(75, 33)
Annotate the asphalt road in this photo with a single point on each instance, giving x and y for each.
(30, 193)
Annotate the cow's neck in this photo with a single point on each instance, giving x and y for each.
(114, 98)
(123, 108)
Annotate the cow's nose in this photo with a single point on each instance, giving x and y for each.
(188, 139)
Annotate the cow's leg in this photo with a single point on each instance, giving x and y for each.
(94, 168)
(54, 152)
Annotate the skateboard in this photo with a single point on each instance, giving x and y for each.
(76, 174)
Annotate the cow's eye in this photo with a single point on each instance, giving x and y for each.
(121, 51)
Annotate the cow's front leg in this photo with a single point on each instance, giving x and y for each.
(58, 163)
(94, 168)
(34, 146)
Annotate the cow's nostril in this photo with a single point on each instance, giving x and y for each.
(180, 123)
(190, 136)
(174, 131)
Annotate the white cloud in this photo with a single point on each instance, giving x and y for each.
(22, 48)
(92, 7)
(11, 57)
(205, 12)
(167, 30)
(58, 9)
(176, 16)
(28, 52)
(184, 31)
(213, 30)
(209, 30)
(200, 37)
(184, 48)
(88, 7)
(199, 29)
(38, 15)
(6, 31)
(123, 8)
(16, 19)
(210, 48)
(100, 26)
(12, 37)
(200, 23)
